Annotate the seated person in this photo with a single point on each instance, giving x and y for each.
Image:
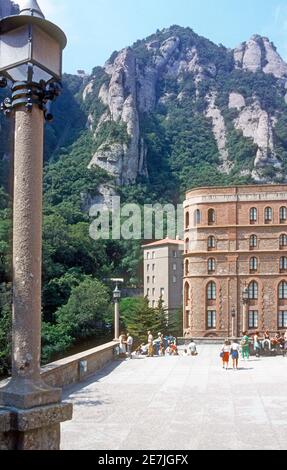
(168, 351)
(143, 349)
(192, 348)
(277, 340)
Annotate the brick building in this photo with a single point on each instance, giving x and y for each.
(235, 238)
(163, 273)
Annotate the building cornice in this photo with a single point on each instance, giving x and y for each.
(212, 228)
(235, 198)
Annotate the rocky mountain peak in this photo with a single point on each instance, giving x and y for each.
(260, 54)
(168, 69)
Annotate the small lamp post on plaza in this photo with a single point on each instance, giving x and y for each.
(31, 62)
(117, 297)
(233, 317)
(245, 300)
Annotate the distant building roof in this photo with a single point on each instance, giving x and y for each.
(165, 241)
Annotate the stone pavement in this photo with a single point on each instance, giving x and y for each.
(181, 403)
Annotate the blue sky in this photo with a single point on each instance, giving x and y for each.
(95, 28)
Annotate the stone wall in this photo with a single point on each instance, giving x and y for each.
(74, 369)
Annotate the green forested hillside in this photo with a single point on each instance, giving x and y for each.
(181, 152)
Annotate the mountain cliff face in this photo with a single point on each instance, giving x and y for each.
(174, 85)
(172, 112)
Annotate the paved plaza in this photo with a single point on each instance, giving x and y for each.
(181, 403)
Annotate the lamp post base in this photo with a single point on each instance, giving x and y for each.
(26, 394)
(34, 429)
(30, 415)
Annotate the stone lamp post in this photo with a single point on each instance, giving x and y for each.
(117, 298)
(245, 299)
(31, 61)
(233, 317)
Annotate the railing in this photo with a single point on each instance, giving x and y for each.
(75, 369)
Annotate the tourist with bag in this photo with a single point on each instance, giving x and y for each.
(225, 354)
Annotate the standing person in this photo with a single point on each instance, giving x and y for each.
(150, 344)
(267, 340)
(123, 349)
(245, 346)
(257, 346)
(285, 344)
(225, 354)
(130, 342)
(158, 343)
(235, 348)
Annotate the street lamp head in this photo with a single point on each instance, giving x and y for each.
(30, 46)
(117, 293)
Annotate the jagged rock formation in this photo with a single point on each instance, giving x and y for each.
(150, 77)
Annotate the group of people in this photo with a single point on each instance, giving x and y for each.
(278, 342)
(161, 346)
(232, 349)
(126, 345)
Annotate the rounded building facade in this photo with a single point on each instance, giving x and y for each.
(235, 240)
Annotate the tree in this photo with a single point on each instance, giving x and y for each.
(87, 309)
(138, 318)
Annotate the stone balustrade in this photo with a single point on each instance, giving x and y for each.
(74, 369)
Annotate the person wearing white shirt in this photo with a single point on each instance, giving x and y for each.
(225, 354)
(235, 349)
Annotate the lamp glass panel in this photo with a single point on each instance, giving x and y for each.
(46, 51)
(20, 74)
(14, 47)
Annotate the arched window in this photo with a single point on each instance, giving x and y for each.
(211, 243)
(283, 215)
(187, 267)
(253, 264)
(283, 263)
(187, 245)
(268, 215)
(283, 240)
(253, 215)
(187, 294)
(211, 291)
(253, 290)
(211, 265)
(187, 220)
(197, 217)
(211, 217)
(283, 290)
(253, 242)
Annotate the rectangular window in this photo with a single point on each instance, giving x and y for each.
(153, 280)
(153, 255)
(148, 292)
(282, 320)
(253, 319)
(153, 267)
(153, 292)
(174, 254)
(148, 255)
(174, 267)
(147, 268)
(174, 279)
(162, 292)
(148, 279)
(211, 319)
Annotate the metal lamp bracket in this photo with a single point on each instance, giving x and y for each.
(32, 94)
